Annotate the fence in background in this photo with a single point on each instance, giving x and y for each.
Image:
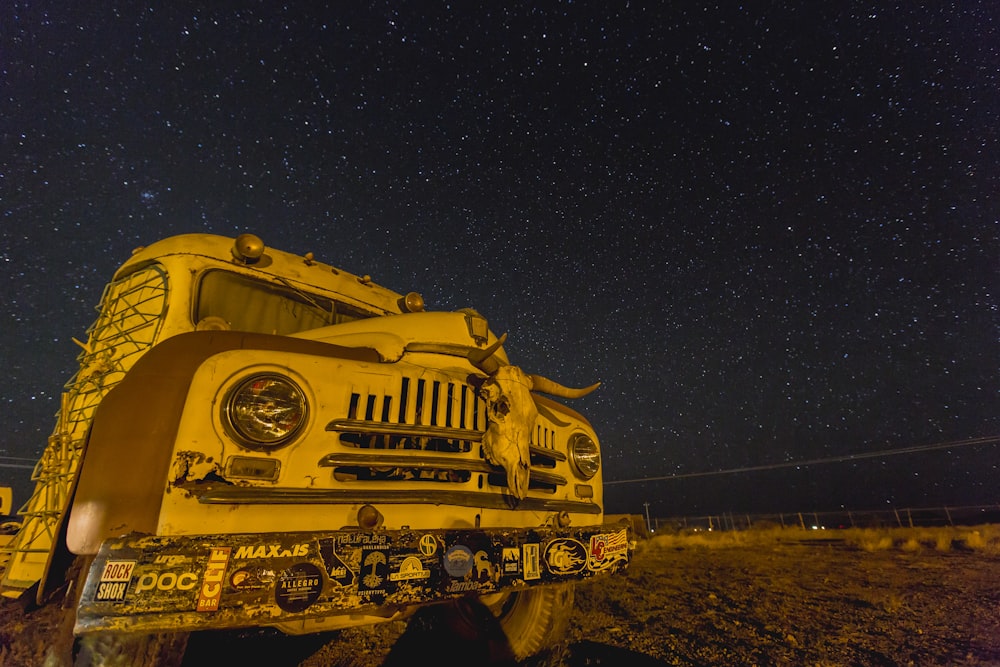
(970, 515)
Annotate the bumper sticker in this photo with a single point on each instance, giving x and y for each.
(336, 567)
(215, 572)
(458, 561)
(298, 587)
(411, 568)
(374, 573)
(114, 580)
(156, 583)
(565, 556)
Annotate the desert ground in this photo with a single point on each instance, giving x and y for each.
(775, 597)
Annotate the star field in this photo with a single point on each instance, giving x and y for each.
(772, 232)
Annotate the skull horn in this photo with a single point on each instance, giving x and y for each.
(553, 388)
(482, 360)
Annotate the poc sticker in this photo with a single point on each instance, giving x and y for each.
(211, 582)
(114, 580)
(298, 587)
(166, 581)
(565, 556)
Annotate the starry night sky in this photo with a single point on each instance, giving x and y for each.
(772, 232)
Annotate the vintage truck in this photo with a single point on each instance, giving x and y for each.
(256, 438)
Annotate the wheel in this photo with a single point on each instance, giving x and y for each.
(116, 649)
(532, 619)
(498, 629)
(112, 649)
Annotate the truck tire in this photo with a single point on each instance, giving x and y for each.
(112, 649)
(534, 619)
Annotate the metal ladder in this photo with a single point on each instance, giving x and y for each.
(131, 315)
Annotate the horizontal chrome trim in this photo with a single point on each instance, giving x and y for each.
(461, 351)
(546, 477)
(213, 494)
(376, 458)
(382, 428)
(547, 453)
(417, 430)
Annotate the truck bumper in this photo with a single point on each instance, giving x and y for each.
(164, 584)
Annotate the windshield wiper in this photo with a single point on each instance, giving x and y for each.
(309, 298)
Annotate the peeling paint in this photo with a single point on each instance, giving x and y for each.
(192, 466)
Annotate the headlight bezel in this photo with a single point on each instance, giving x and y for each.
(254, 433)
(584, 455)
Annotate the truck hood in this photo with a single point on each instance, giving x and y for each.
(451, 333)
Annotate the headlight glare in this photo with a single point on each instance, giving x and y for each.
(266, 411)
(584, 455)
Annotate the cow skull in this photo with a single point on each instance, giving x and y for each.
(511, 413)
(487, 361)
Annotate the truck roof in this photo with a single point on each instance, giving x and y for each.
(303, 268)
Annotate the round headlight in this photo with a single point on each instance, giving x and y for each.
(266, 410)
(584, 455)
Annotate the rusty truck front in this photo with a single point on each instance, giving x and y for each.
(292, 445)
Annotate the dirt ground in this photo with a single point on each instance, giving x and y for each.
(790, 599)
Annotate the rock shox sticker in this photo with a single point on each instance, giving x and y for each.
(114, 580)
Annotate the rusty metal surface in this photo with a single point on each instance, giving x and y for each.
(147, 583)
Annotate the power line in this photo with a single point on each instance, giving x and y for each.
(986, 440)
(29, 464)
(17, 462)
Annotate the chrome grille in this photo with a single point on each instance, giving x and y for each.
(438, 423)
(429, 415)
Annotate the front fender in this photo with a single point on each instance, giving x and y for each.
(124, 469)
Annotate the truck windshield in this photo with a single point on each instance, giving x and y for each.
(232, 301)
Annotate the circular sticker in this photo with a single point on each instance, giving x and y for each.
(251, 579)
(428, 545)
(458, 561)
(298, 587)
(565, 555)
